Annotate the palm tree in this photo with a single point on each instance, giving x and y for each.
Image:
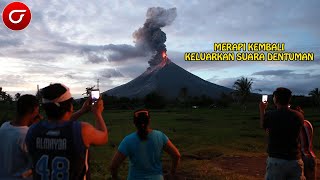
(184, 92)
(183, 95)
(242, 89)
(8, 98)
(3, 95)
(17, 96)
(315, 94)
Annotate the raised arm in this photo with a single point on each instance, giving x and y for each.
(117, 160)
(84, 109)
(97, 135)
(175, 155)
(262, 108)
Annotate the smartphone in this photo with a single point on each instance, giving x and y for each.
(95, 95)
(264, 98)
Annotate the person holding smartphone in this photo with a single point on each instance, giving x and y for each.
(144, 149)
(59, 145)
(284, 126)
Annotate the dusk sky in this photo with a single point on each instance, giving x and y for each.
(65, 42)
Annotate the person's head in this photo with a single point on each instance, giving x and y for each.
(57, 102)
(141, 119)
(27, 111)
(282, 96)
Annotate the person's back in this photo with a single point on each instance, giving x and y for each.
(308, 155)
(145, 156)
(306, 138)
(284, 127)
(14, 159)
(15, 162)
(60, 147)
(144, 149)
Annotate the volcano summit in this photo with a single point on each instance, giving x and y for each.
(167, 79)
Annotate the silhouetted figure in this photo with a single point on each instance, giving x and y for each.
(144, 149)
(284, 126)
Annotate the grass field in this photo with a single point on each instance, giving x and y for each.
(213, 142)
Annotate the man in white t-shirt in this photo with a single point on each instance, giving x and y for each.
(15, 162)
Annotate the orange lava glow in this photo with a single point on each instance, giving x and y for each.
(164, 55)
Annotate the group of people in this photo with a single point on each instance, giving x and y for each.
(290, 153)
(58, 148)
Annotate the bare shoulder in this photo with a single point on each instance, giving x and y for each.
(85, 124)
(86, 127)
(298, 114)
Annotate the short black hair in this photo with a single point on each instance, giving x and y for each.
(283, 95)
(26, 104)
(51, 92)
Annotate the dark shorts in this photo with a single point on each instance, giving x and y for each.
(309, 168)
(281, 169)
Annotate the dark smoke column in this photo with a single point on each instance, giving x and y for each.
(150, 37)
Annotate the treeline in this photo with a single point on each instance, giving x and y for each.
(6, 97)
(156, 101)
(242, 94)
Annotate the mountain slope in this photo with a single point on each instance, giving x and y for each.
(167, 79)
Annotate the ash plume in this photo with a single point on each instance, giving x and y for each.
(149, 40)
(150, 37)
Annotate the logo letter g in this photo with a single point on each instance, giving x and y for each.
(20, 18)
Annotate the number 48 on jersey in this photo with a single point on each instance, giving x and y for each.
(57, 170)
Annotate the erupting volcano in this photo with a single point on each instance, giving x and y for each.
(167, 79)
(163, 76)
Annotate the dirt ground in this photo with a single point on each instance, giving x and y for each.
(249, 166)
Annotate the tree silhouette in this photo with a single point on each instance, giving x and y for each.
(17, 96)
(9, 98)
(5, 97)
(183, 95)
(315, 94)
(242, 89)
(154, 100)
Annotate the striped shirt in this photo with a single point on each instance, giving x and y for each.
(306, 136)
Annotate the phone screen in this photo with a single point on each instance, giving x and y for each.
(264, 98)
(95, 95)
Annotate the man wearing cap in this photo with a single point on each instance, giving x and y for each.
(59, 146)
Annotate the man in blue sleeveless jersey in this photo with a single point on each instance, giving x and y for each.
(59, 146)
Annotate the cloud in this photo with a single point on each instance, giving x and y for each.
(111, 52)
(268, 81)
(273, 73)
(110, 73)
(300, 84)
